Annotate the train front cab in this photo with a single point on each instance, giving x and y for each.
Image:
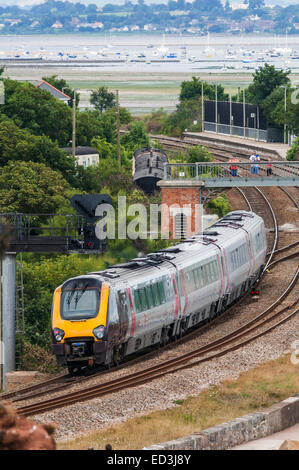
(79, 323)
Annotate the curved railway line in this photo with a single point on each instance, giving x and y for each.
(270, 318)
(227, 343)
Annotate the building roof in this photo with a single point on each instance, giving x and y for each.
(81, 150)
(51, 89)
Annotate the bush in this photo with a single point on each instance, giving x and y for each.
(219, 205)
(36, 358)
(293, 153)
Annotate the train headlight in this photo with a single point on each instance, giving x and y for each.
(58, 334)
(99, 332)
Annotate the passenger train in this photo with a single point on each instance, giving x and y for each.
(103, 317)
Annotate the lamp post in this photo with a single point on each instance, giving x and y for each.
(244, 114)
(285, 112)
(74, 126)
(118, 128)
(74, 122)
(216, 106)
(202, 109)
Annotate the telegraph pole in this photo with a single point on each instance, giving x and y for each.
(74, 126)
(202, 109)
(117, 129)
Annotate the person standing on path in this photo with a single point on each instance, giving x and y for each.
(269, 167)
(252, 160)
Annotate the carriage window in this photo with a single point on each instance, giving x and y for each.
(258, 242)
(216, 271)
(161, 292)
(137, 301)
(156, 294)
(196, 278)
(143, 299)
(209, 273)
(150, 296)
(169, 291)
(201, 279)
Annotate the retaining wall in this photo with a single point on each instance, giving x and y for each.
(247, 428)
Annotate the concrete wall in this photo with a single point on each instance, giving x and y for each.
(247, 428)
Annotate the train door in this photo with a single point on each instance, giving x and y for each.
(113, 319)
(183, 292)
(123, 307)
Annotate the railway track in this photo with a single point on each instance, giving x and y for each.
(186, 360)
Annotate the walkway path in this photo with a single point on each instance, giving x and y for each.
(272, 442)
(250, 143)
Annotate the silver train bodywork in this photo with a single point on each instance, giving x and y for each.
(159, 297)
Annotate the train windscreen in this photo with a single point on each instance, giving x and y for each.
(80, 300)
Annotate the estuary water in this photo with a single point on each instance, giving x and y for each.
(165, 53)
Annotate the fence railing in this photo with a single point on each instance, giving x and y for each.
(216, 170)
(246, 132)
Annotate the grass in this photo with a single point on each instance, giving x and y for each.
(254, 390)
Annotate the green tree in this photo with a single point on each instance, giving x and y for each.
(31, 188)
(4, 239)
(136, 138)
(293, 152)
(20, 145)
(102, 99)
(265, 80)
(199, 153)
(37, 110)
(187, 112)
(193, 89)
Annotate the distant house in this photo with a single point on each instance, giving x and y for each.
(51, 89)
(86, 156)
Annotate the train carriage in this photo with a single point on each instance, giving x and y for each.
(102, 317)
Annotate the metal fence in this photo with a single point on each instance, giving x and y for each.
(245, 132)
(232, 170)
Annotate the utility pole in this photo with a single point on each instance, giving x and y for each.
(285, 116)
(117, 128)
(202, 109)
(8, 313)
(244, 114)
(216, 106)
(74, 126)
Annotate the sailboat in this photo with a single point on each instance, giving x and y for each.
(163, 50)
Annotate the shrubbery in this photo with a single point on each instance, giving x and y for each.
(293, 152)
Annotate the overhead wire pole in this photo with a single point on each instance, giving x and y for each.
(118, 128)
(202, 109)
(216, 106)
(74, 126)
(244, 114)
